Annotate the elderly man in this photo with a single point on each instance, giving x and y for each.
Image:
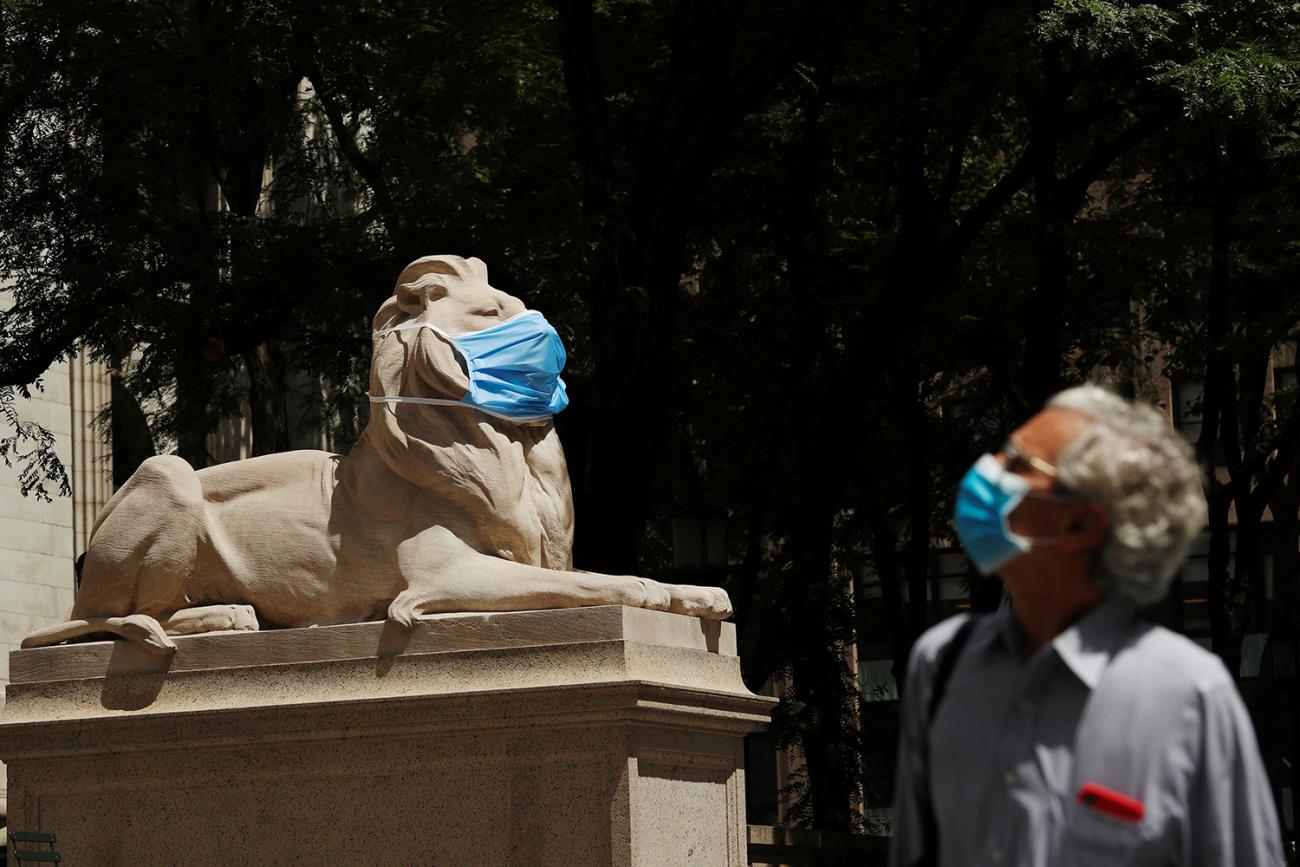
(1068, 731)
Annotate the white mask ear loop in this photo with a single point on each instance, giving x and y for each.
(1017, 482)
(411, 326)
(1049, 496)
(1052, 496)
(407, 326)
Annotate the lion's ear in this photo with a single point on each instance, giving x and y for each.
(388, 315)
(414, 296)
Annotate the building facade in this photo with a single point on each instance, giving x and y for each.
(40, 541)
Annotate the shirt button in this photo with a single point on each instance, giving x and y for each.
(996, 855)
(1025, 704)
(1009, 778)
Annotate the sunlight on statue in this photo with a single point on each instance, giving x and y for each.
(456, 497)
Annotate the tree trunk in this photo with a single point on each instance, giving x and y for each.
(1284, 638)
(641, 242)
(267, 401)
(1217, 414)
(886, 560)
(129, 430)
(636, 272)
(746, 600)
(813, 597)
(752, 601)
(921, 609)
(1222, 598)
(194, 417)
(1058, 194)
(1045, 305)
(632, 347)
(817, 599)
(1248, 573)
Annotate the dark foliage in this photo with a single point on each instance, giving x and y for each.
(809, 260)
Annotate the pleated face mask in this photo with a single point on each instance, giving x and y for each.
(986, 497)
(514, 368)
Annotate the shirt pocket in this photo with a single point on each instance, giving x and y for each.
(1092, 839)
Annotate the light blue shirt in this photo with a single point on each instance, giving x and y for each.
(1113, 700)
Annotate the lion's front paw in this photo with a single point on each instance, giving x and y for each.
(710, 603)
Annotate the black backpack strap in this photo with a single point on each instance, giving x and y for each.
(947, 662)
(939, 685)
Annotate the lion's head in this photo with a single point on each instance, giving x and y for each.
(449, 292)
(434, 447)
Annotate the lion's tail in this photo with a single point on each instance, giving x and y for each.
(140, 629)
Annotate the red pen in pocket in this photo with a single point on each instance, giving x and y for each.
(1111, 802)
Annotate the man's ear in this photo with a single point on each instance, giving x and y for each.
(1087, 529)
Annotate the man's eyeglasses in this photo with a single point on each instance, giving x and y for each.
(1015, 455)
(1015, 458)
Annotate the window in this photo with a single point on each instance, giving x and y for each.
(1196, 587)
(953, 571)
(1188, 397)
(876, 680)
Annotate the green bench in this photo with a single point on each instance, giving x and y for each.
(34, 856)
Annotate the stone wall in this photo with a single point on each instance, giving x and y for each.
(36, 538)
(40, 541)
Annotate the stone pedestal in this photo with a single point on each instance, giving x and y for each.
(597, 736)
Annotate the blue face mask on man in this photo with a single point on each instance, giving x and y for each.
(986, 497)
(514, 368)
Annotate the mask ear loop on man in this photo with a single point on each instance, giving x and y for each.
(1051, 497)
(1047, 469)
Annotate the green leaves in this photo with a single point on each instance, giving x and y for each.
(30, 448)
(1239, 84)
(1104, 29)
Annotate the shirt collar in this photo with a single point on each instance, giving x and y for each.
(1086, 647)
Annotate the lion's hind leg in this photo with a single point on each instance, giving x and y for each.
(147, 631)
(212, 618)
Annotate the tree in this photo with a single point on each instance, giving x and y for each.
(1229, 193)
(135, 218)
(808, 261)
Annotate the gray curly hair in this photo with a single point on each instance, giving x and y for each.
(1144, 474)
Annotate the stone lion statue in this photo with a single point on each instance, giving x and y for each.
(445, 504)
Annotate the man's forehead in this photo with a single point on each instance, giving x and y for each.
(1050, 431)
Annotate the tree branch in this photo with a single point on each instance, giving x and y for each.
(1277, 469)
(586, 93)
(978, 216)
(954, 47)
(25, 357)
(1077, 121)
(1100, 157)
(369, 169)
(952, 175)
(752, 82)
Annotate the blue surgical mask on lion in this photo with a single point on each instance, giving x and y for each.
(514, 368)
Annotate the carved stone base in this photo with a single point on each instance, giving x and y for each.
(597, 736)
